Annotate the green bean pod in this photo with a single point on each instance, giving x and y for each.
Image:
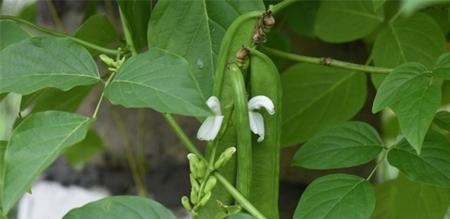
(243, 134)
(265, 80)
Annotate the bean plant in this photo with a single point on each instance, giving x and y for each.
(214, 60)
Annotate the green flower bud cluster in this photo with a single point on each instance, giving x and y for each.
(113, 65)
(202, 181)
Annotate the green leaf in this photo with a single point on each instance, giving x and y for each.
(136, 15)
(442, 67)
(129, 207)
(336, 196)
(319, 97)
(431, 166)
(240, 216)
(344, 21)
(301, 17)
(415, 96)
(43, 62)
(415, 39)
(197, 38)
(90, 29)
(77, 155)
(159, 80)
(401, 199)
(35, 143)
(54, 99)
(345, 145)
(377, 4)
(410, 6)
(10, 33)
(442, 119)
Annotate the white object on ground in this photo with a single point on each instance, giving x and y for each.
(51, 200)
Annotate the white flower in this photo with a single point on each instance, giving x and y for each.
(256, 119)
(211, 126)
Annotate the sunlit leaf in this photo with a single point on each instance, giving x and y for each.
(10, 33)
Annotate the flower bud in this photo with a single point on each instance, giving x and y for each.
(196, 166)
(194, 197)
(194, 184)
(268, 20)
(107, 60)
(205, 199)
(242, 54)
(186, 203)
(224, 157)
(210, 183)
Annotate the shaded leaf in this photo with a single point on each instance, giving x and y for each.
(301, 17)
(431, 166)
(78, 154)
(442, 119)
(159, 80)
(345, 145)
(136, 15)
(442, 67)
(35, 143)
(319, 97)
(344, 21)
(402, 198)
(336, 196)
(43, 62)
(10, 33)
(90, 29)
(129, 207)
(3, 145)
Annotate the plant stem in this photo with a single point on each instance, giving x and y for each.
(280, 6)
(327, 62)
(379, 161)
(127, 33)
(58, 23)
(94, 115)
(182, 135)
(140, 187)
(140, 149)
(239, 197)
(58, 34)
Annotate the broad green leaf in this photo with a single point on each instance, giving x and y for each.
(415, 39)
(319, 97)
(159, 80)
(35, 143)
(344, 21)
(43, 62)
(54, 99)
(377, 4)
(240, 216)
(10, 33)
(3, 145)
(402, 198)
(301, 17)
(136, 15)
(336, 196)
(98, 30)
(432, 166)
(78, 154)
(442, 119)
(345, 145)
(121, 207)
(197, 38)
(410, 6)
(415, 96)
(442, 67)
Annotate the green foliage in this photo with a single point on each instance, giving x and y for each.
(442, 67)
(339, 196)
(318, 97)
(54, 62)
(90, 29)
(129, 207)
(410, 6)
(78, 154)
(301, 17)
(415, 95)
(402, 198)
(35, 143)
(345, 145)
(442, 119)
(135, 16)
(11, 33)
(431, 166)
(159, 80)
(3, 145)
(358, 18)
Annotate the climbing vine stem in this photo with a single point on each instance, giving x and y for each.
(59, 34)
(327, 62)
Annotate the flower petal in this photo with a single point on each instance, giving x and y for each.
(257, 102)
(214, 104)
(210, 128)
(257, 124)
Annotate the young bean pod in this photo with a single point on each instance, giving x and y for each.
(265, 80)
